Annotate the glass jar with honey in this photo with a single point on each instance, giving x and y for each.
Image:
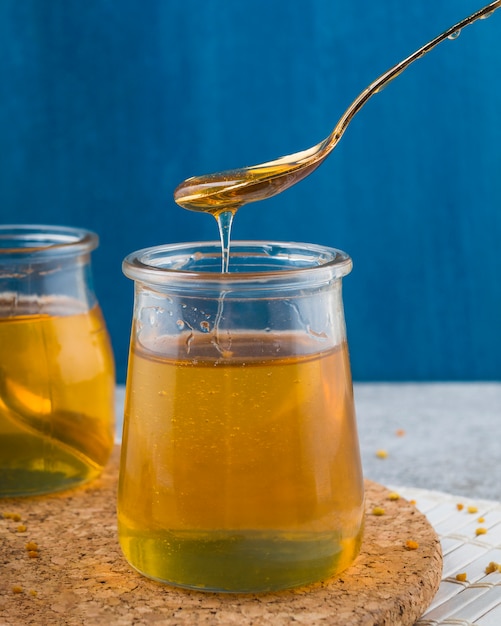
(57, 375)
(240, 467)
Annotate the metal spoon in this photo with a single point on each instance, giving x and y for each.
(222, 193)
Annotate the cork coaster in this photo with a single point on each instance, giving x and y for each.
(76, 574)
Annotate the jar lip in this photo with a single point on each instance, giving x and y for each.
(167, 264)
(43, 239)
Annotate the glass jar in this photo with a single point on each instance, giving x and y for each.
(240, 467)
(57, 375)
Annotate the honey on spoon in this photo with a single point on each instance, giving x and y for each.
(222, 193)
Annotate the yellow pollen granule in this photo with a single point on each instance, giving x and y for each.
(21, 528)
(393, 496)
(459, 506)
(461, 577)
(410, 544)
(378, 510)
(31, 545)
(33, 554)
(17, 589)
(400, 432)
(472, 509)
(381, 454)
(481, 531)
(493, 567)
(481, 520)
(13, 516)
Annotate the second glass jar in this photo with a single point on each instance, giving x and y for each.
(57, 375)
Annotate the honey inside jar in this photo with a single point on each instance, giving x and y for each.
(235, 472)
(56, 394)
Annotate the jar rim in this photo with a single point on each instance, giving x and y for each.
(43, 239)
(275, 262)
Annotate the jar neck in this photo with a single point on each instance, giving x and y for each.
(43, 265)
(34, 242)
(256, 268)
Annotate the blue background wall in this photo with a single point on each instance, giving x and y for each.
(106, 105)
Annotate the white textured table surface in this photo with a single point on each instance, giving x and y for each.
(442, 448)
(452, 439)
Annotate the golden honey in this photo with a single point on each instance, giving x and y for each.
(56, 396)
(234, 472)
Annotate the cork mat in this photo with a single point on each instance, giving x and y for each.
(61, 564)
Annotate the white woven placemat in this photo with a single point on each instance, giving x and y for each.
(466, 550)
